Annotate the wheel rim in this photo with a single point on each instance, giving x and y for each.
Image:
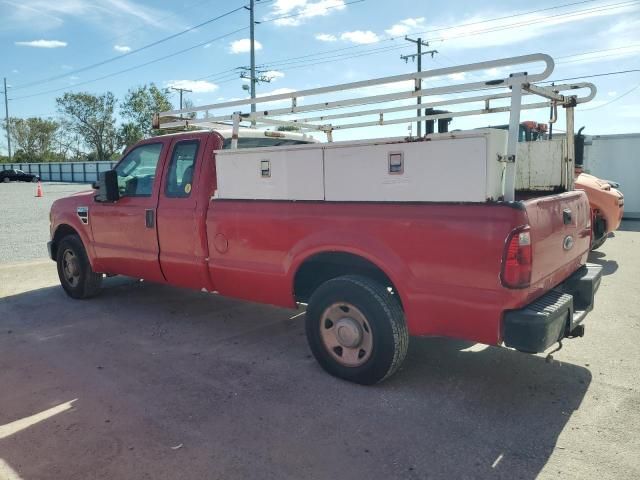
(71, 268)
(346, 334)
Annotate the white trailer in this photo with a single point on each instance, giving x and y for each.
(617, 158)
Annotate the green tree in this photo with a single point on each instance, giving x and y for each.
(129, 134)
(140, 104)
(92, 118)
(34, 138)
(288, 128)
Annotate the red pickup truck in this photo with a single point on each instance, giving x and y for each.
(370, 273)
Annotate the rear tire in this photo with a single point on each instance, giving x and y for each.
(356, 329)
(6, 179)
(74, 270)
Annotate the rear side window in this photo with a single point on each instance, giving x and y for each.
(183, 160)
(249, 142)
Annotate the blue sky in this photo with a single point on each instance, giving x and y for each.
(42, 39)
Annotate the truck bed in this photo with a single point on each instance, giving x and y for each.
(444, 259)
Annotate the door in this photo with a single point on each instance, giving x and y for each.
(181, 224)
(124, 233)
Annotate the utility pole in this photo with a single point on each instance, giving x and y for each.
(6, 113)
(420, 44)
(252, 35)
(181, 90)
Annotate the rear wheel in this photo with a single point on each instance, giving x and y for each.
(599, 232)
(356, 329)
(6, 180)
(74, 270)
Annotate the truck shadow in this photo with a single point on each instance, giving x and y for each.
(236, 386)
(609, 267)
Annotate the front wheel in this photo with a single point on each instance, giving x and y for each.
(356, 329)
(74, 270)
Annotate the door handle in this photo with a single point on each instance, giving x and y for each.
(149, 218)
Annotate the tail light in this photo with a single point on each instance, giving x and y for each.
(517, 259)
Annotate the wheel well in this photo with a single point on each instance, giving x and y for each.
(61, 232)
(321, 267)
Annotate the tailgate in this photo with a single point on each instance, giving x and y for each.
(560, 236)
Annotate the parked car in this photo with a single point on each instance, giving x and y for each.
(14, 175)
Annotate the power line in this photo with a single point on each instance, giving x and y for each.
(605, 74)
(614, 100)
(540, 20)
(336, 57)
(135, 67)
(152, 61)
(277, 62)
(293, 15)
(137, 50)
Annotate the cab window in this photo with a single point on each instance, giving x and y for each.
(255, 142)
(180, 177)
(137, 171)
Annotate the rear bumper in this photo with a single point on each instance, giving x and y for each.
(555, 315)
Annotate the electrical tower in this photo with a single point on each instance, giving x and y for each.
(413, 57)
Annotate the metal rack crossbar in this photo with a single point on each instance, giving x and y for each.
(517, 85)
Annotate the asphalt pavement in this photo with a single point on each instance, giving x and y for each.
(149, 381)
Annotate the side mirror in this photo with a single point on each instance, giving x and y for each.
(107, 186)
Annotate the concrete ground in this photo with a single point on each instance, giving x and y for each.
(24, 218)
(148, 381)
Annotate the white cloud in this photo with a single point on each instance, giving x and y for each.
(46, 14)
(122, 48)
(74, 77)
(42, 44)
(298, 11)
(405, 26)
(243, 45)
(326, 37)
(457, 76)
(274, 74)
(360, 37)
(15, 70)
(196, 86)
(278, 91)
(612, 93)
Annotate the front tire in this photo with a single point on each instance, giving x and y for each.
(356, 329)
(74, 270)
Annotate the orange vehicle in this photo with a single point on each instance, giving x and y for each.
(605, 200)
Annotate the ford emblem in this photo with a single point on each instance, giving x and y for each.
(567, 244)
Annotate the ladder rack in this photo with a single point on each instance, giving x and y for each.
(513, 87)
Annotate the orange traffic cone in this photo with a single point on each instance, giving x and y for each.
(39, 190)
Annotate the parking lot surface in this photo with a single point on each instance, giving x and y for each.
(24, 218)
(148, 381)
